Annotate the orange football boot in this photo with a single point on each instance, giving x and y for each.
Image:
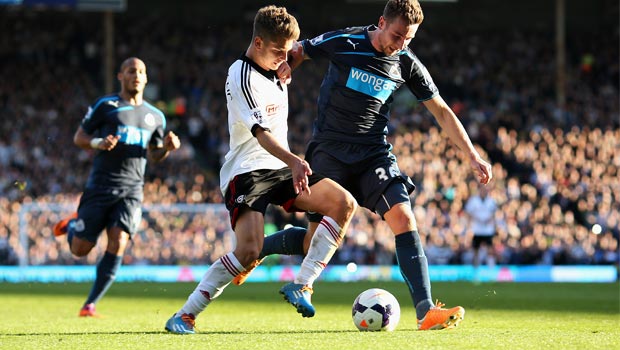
(89, 311)
(61, 227)
(439, 318)
(243, 275)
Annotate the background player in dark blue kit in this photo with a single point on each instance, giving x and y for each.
(349, 143)
(125, 130)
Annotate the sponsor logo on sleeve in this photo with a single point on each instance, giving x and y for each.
(256, 116)
(89, 113)
(316, 40)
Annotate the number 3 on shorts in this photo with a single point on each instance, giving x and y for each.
(381, 173)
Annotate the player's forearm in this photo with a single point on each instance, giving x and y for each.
(456, 132)
(451, 125)
(271, 145)
(158, 154)
(84, 140)
(296, 56)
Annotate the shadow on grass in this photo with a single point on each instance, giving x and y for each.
(253, 332)
(572, 297)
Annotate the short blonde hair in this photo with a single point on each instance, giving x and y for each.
(275, 24)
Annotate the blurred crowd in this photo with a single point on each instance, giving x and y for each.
(556, 179)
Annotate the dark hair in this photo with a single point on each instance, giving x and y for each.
(275, 23)
(127, 62)
(409, 10)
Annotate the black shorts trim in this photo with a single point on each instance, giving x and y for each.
(257, 189)
(478, 240)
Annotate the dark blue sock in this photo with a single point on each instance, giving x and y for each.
(106, 273)
(289, 241)
(414, 268)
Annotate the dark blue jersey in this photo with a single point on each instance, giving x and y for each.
(137, 126)
(356, 93)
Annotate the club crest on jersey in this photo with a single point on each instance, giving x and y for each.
(395, 72)
(240, 199)
(149, 119)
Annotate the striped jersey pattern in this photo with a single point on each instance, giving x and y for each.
(255, 98)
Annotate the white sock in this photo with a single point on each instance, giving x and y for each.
(218, 276)
(325, 241)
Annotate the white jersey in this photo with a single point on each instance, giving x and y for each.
(482, 212)
(255, 98)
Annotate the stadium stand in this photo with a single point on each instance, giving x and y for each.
(556, 169)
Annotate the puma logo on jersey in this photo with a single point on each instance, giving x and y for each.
(113, 103)
(352, 43)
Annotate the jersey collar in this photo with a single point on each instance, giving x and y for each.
(269, 74)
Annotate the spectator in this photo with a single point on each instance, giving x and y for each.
(527, 137)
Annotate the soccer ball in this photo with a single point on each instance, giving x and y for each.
(376, 310)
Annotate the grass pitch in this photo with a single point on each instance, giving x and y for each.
(254, 316)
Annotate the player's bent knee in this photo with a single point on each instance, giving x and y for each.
(343, 208)
(80, 251)
(400, 218)
(351, 205)
(246, 255)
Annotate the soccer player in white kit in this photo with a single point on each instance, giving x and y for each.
(260, 170)
(481, 209)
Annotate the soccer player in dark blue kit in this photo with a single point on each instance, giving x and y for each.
(125, 131)
(349, 142)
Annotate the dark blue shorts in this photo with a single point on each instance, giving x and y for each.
(106, 208)
(369, 172)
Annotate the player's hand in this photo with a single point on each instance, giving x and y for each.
(301, 170)
(284, 73)
(482, 169)
(171, 141)
(109, 142)
(295, 55)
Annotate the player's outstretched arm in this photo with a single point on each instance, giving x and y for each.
(449, 122)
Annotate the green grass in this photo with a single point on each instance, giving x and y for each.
(253, 316)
